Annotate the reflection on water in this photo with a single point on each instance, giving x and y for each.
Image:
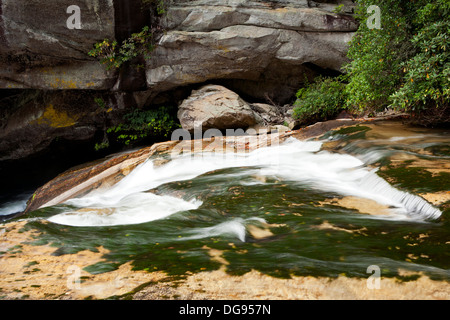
(322, 207)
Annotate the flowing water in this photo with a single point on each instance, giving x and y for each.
(325, 207)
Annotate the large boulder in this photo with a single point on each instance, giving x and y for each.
(215, 107)
(258, 48)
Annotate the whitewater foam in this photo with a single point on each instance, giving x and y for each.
(16, 205)
(294, 160)
(236, 227)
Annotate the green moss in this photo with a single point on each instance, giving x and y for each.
(102, 267)
(417, 179)
(31, 263)
(439, 150)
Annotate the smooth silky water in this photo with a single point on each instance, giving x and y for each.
(277, 210)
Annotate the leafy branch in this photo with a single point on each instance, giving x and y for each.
(114, 55)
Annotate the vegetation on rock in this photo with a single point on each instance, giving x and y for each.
(139, 44)
(404, 65)
(139, 126)
(322, 99)
(114, 55)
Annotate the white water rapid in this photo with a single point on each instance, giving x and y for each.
(128, 202)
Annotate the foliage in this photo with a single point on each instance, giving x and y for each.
(100, 102)
(102, 145)
(159, 5)
(322, 99)
(376, 56)
(141, 124)
(405, 64)
(338, 9)
(427, 73)
(114, 55)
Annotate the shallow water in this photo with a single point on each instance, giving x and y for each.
(279, 210)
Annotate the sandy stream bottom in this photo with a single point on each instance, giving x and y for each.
(32, 272)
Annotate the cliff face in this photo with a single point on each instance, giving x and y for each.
(39, 51)
(257, 42)
(257, 48)
(40, 48)
(51, 87)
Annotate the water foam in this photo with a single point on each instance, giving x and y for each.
(133, 209)
(294, 160)
(16, 205)
(234, 228)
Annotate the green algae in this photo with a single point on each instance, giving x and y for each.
(417, 179)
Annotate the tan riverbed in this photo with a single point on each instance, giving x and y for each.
(34, 272)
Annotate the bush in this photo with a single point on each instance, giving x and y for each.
(321, 100)
(405, 64)
(426, 81)
(141, 125)
(375, 70)
(140, 44)
(114, 55)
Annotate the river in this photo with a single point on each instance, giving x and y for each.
(369, 195)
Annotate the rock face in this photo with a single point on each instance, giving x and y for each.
(257, 47)
(266, 44)
(49, 84)
(38, 50)
(32, 120)
(261, 49)
(215, 107)
(269, 114)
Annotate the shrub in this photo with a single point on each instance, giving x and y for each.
(321, 100)
(114, 55)
(375, 70)
(140, 125)
(405, 64)
(426, 81)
